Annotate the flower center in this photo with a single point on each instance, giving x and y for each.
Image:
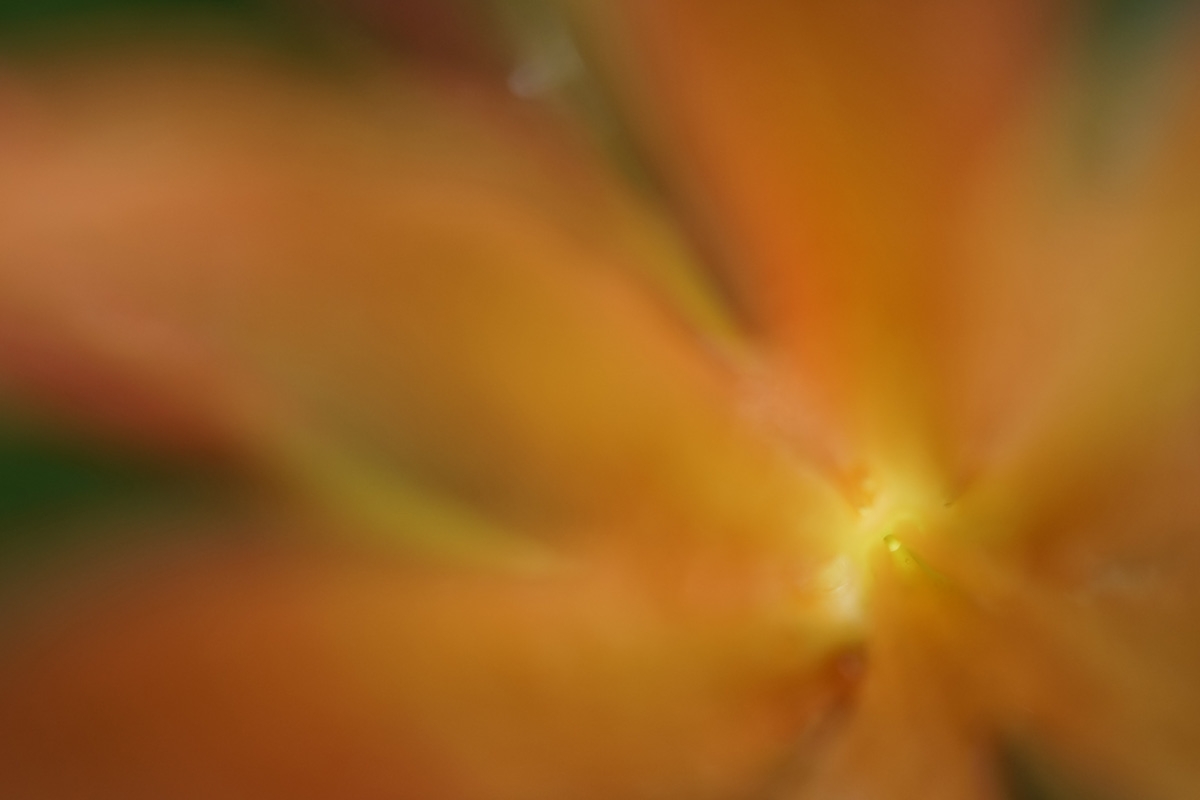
(895, 514)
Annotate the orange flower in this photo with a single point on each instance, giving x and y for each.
(850, 451)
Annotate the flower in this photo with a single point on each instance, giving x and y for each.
(419, 448)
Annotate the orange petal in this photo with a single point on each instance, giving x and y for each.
(827, 144)
(1075, 337)
(283, 673)
(395, 275)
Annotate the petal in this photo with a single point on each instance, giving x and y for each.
(827, 144)
(404, 276)
(274, 672)
(1067, 676)
(1078, 345)
(965, 224)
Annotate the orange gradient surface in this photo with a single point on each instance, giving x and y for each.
(559, 400)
